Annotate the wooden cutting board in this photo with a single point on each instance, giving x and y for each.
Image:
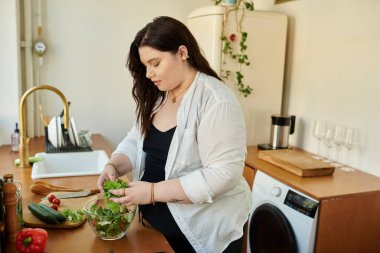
(74, 203)
(297, 162)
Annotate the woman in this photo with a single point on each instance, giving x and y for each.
(187, 147)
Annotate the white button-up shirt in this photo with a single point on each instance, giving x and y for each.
(207, 154)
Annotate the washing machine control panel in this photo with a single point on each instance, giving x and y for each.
(301, 203)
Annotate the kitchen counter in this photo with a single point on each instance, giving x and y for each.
(139, 238)
(341, 183)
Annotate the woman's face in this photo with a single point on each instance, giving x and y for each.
(165, 69)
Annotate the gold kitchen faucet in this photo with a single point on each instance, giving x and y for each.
(24, 140)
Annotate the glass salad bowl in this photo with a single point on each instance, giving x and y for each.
(109, 220)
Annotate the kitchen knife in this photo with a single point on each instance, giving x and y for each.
(71, 195)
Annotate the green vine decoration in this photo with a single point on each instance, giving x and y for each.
(238, 54)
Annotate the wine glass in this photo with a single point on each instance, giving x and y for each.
(319, 132)
(329, 141)
(351, 140)
(339, 139)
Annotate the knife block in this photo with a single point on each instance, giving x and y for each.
(68, 146)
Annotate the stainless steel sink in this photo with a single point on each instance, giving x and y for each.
(69, 164)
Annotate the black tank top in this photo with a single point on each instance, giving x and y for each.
(156, 146)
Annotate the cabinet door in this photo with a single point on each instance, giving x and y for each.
(349, 224)
(249, 175)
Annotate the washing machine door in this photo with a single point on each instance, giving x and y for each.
(270, 231)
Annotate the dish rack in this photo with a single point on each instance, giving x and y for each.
(67, 146)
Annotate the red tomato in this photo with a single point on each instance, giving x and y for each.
(56, 201)
(54, 206)
(51, 198)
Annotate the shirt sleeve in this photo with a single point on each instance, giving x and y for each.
(128, 146)
(222, 149)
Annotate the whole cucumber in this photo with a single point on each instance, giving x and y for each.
(53, 212)
(41, 214)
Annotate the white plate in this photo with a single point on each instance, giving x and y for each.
(71, 133)
(52, 132)
(59, 132)
(75, 132)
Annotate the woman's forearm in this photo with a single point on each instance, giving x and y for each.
(121, 163)
(170, 191)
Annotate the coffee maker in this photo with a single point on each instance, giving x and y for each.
(282, 126)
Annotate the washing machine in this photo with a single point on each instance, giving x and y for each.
(282, 219)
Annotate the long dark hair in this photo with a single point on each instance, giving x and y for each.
(165, 34)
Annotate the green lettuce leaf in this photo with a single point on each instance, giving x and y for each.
(73, 216)
(111, 185)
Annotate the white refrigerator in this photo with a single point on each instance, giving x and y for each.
(266, 43)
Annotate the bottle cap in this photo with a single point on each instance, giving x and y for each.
(16, 129)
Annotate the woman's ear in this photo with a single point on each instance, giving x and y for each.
(183, 53)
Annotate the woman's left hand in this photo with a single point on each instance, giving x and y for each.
(137, 193)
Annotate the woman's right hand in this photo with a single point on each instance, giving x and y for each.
(109, 173)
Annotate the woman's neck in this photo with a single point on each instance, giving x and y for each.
(177, 93)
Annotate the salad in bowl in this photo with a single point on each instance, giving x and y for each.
(109, 220)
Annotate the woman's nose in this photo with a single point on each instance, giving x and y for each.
(149, 73)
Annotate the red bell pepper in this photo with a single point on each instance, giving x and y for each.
(31, 240)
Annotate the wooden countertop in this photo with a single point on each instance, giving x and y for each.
(340, 184)
(138, 239)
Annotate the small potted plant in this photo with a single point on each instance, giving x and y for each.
(234, 43)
